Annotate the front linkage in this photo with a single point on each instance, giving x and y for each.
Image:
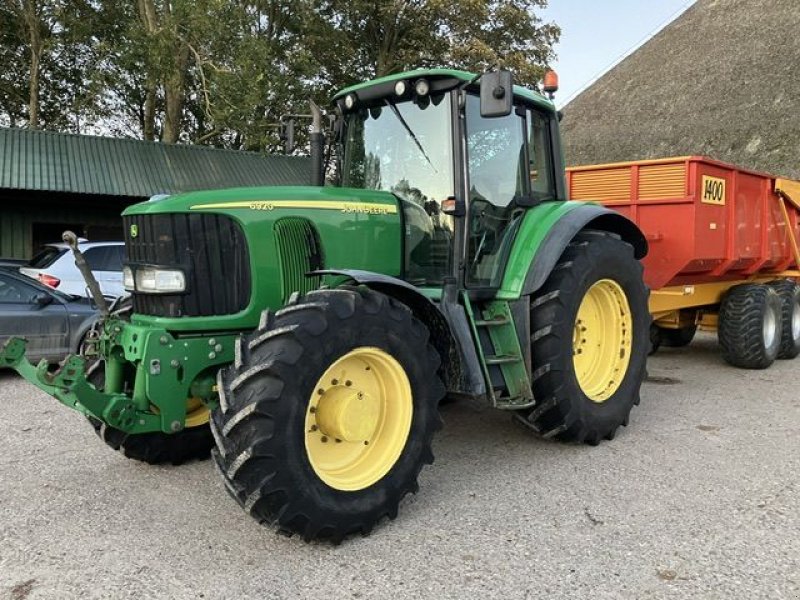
(149, 374)
(139, 395)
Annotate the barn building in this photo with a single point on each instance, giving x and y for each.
(721, 80)
(50, 182)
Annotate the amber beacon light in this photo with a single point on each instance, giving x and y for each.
(550, 85)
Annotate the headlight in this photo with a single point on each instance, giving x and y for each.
(400, 88)
(127, 279)
(150, 280)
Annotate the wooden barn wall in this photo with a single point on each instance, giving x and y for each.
(19, 210)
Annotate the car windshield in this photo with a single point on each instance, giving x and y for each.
(403, 148)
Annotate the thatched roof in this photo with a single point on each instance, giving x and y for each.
(722, 80)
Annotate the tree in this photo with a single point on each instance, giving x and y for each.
(379, 38)
(50, 51)
(223, 72)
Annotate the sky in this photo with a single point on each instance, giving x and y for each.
(597, 34)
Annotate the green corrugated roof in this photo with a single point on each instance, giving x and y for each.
(42, 160)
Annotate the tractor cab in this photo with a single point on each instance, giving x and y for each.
(448, 144)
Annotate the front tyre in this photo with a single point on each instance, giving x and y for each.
(193, 442)
(327, 415)
(591, 337)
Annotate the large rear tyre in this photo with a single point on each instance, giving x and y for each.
(327, 415)
(749, 329)
(194, 442)
(789, 293)
(591, 336)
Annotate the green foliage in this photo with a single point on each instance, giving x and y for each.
(223, 72)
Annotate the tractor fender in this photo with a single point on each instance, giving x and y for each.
(423, 308)
(585, 216)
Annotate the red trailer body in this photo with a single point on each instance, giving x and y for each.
(705, 221)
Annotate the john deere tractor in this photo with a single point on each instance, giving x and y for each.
(308, 334)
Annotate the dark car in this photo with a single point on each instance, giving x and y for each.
(54, 323)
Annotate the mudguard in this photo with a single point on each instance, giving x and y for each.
(545, 234)
(450, 332)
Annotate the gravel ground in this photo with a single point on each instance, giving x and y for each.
(698, 497)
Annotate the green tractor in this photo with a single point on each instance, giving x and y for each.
(308, 334)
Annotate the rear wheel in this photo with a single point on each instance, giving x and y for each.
(591, 336)
(327, 415)
(749, 329)
(789, 293)
(191, 443)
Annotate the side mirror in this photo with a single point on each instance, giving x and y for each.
(497, 94)
(42, 299)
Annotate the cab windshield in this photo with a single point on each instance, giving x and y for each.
(406, 149)
(403, 148)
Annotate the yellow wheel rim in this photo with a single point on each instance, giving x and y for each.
(358, 419)
(602, 338)
(197, 413)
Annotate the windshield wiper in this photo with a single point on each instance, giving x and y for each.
(410, 133)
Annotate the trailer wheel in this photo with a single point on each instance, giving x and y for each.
(789, 292)
(677, 338)
(194, 442)
(749, 328)
(327, 415)
(655, 339)
(591, 336)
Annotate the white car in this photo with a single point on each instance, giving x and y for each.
(54, 265)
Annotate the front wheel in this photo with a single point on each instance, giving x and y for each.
(327, 416)
(591, 337)
(194, 442)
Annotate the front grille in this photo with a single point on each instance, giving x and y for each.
(212, 251)
(299, 251)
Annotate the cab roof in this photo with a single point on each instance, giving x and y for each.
(465, 76)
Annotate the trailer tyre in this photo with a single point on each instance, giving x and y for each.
(155, 448)
(677, 338)
(327, 415)
(789, 293)
(749, 329)
(590, 340)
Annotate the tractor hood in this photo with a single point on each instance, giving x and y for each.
(241, 201)
(246, 249)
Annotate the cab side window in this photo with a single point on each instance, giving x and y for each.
(540, 167)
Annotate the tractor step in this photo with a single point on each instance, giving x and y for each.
(491, 322)
(501, 355)
(502, 360)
